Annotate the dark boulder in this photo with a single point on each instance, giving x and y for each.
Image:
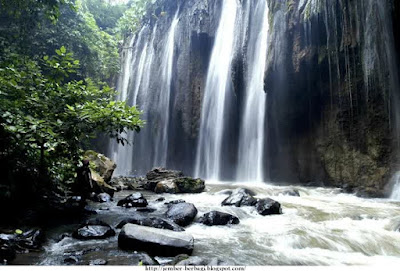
(182, 213)
(154, 222)
(240, 197)
(31, 240)
(156, 242)
(94, 229)
(133, 200)
(218, 218)
(268, 207)
(21, 242)
(160, 199)
(162, 174)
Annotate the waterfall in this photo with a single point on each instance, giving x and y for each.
(209, 146)
(201, 80)
(251, 139)
(163, 104)
(144, 142)
(396, 186)
(121, 154)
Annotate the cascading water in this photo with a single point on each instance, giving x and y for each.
(121, 154)
(210, 120)
(396, 186)
(150, 146)
(209, 146)
(251, 139)
(163, 104)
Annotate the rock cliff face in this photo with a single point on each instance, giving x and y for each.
(331, 82)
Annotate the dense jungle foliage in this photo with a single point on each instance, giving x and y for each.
(58, 59)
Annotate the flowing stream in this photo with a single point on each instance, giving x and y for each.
(321, 227)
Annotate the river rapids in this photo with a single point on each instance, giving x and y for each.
(321, 227)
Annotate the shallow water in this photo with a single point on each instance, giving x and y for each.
(321, 227)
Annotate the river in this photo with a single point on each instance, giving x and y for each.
(321, 227)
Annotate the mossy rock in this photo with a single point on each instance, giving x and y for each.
(103, 165)
(100, 185)
(190, 185)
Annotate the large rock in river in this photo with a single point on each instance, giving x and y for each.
(182, 213)
(215, 218)
(240, 197)
(268, 207)
(133, 200)
(166, 186)
(156, 242)
(154, 222)
(190, 185)
(94, 229)
(161, 180)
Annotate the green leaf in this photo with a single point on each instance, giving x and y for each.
(63, 50)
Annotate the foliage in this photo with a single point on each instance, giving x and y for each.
(105, 14)
(46, 115)
(49, 109)
(75, 28)
(131, 20)
(21, 9)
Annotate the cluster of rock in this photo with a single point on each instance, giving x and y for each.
(19, 242)
(165, 236)
(161, 180)
(153, 235)
(243, 197)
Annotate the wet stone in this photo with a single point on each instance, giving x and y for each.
(216, 218)
(133, 200)
(268, 207)
(182, 213)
